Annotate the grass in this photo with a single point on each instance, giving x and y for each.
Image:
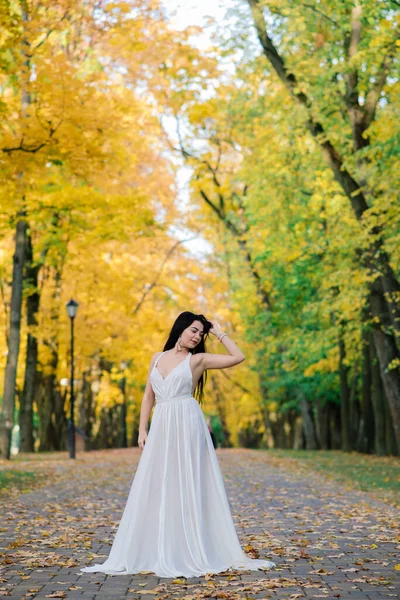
(20, 480)
(26, 472)
(379, 475)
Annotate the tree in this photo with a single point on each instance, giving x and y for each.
(263, 179)
(76, 139)
(360, 110)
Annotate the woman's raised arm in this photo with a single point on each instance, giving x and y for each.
(222, 361)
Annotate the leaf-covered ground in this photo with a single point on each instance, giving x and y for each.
(379, 475)
(327, 540)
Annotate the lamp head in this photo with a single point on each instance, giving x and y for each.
(72, 308)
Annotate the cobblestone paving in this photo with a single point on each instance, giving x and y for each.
(327, 541)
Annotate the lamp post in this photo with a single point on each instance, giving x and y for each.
(72, 308)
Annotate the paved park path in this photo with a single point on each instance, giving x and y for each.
(327, 541)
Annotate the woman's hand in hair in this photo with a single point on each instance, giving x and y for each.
(215, 329)
(208, 360)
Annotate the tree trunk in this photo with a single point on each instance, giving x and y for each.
(135, 429)
(334, 426)
(281, 433)
(45, 405)
(124, 413)
(108, 434)
(59, 417)
(344, 396)
(221, 408)
(298, 442)
(7, 416)
(275, 424)
(87, 416)
(390, 438)
(387, 353)
(51, 408)
(80, 401)
(378, 403)
(365, 440)
(291, 417)
(355, 409)
(101, 439)
(7, 420)
(322, 424)
(32, 308)
(50, 400)
(27, 396)
(310, 433)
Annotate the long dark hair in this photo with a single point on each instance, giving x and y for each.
(183, 321)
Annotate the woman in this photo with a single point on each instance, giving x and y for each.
(177, 520)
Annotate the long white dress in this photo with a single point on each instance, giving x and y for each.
(177, 519)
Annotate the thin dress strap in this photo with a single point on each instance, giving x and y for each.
(160, 355)
(158, 358)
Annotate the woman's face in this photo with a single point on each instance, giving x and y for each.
(192, 335)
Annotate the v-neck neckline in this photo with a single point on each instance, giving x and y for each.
(172, 370)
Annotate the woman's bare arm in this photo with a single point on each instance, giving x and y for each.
(208, 360)
(148, 398)
(223, 361)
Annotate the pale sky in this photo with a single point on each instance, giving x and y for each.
(183, 13)
(194, 12)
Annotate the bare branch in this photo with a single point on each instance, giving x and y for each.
(319, 12)
(355, 35)
(220, 212)
(374, 94)
(243, 245)
(274, 57)
(48, 34)
(159, 272)
(32, 149)
(23, 148)
(187, 154)
(354, 110)
(235, 383)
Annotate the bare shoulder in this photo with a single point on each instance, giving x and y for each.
(154, 357)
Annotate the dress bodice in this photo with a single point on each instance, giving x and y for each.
(177, 384)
